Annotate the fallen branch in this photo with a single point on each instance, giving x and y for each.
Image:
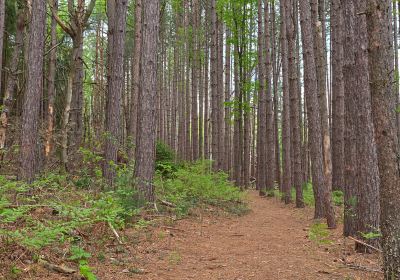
(56, 268)
(365, 244)
(166, 203)
(364, 268)
(115, 233)
(172, 228)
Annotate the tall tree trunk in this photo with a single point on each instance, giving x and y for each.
(195, 81)
(117, 25)
(12, 78)
(368, 183)
(136, 63)
(227, 134)
(350, 152)
(337, 96)
(269, 101)
(275, 76)
(214, 86)
(318, 25)
(51, 86)
(294, 102)
(220, 86)
(311, 89)
(34, 90)
(383, 111)
(2, 22)
(261, 182)
(287, 172)
(145, 152)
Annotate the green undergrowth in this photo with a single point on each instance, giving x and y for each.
(308, 195)
(57, 208)
(320, 234)
(195, 185)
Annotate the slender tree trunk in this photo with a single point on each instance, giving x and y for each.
(383, 111)
(12, 79)
(368, 183)
(206, 104)
(262, 108)
(287, 173)
(145, 152)
(195, 81)
(34, 90)
(136, 63)
(311, 90)
(51, 86)
(2, 22)
(117, 25)
(275, 76)
(221, 98)
(294, 103)
(318, 21)
(214, 86)
(337, 96)
(350, 159)
(227, 134)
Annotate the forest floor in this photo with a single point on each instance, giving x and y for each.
(272, 241)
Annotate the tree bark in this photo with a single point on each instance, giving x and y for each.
(383, 112)
(136, 63)
(117, 26)
(286, 145)
(145, 152)
(294, 103)
(12, 78)
(2, 22)
(350, 160)
(368, 183)
(261, 182)
(34, 91)
(311, 89)
(337, 96)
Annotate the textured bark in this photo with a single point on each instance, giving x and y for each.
(214, 86)
(51, 86)
(228, 134)
(350, 152)
(269, 101)
(275, 77)
(294, 103)
(368, 184)
(318, 26)
(383, 111)
(286, 145)
(12, 78)
(237, 136)
(311, 89)
(337, 96)
(206, 104)
(145, 152)
(2, 21)
(195, 81)
(116, 13)
(34, 91)
(136, 62)
(220, 102)
(396, 27)
(262, 109)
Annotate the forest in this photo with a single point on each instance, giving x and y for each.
(199, 139)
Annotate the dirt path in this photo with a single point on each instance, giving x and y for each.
(268, 243)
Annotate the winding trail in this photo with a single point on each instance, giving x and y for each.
(270, 242)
